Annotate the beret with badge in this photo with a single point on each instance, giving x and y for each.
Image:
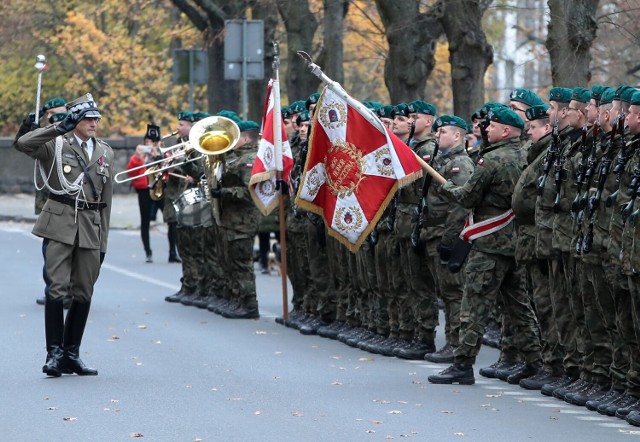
(635, 99)
(200, 115)
(421, 107)
(302, 117)
(538, 112)
(581, 94)
(53, 103)
(608, 95)
(504, 115)
(230, 115)
(450, 120)
(624, 93)
(312, 99)
(385, 111)
(248, 126)
(526, 96)
(596, 92)
(57, 117)
(186, 116)
(560, 94)
(401, 110)
(297, 106)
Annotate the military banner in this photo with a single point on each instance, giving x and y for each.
(274, 154)
(354, 166)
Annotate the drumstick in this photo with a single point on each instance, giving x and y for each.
(177, 175)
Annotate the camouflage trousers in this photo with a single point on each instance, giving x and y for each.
(297, 267)
(381, 305)
(623, 336)
(568, 316)
(633, 375)
(600, 328)
(537, 277)
(238, 266)
(339, 275)
(189, 244)
(451, 287)
(320, 298)
(213, 274)
(398, 286)
(368, 284)
(488, 276)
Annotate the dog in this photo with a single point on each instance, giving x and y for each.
(273, 259)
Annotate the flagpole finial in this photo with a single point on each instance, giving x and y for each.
(306, 57)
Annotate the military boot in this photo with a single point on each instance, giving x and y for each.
(416, 351)
(536, 382)
(456, 374)
(73, 332)
(53, 327)
(624, 401)
(177, 296)
(633, 418)
(504, 373)
(610, 396)
(528, 370)
(622, 413)
(577, 385)
(547, 389)
(491, 370)
(442, 356)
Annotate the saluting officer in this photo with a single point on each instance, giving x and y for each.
(74, 224)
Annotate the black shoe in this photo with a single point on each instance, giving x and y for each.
(176, 296)
(365, 335)
(312, 327)
(242, 313)
(456, 374)
(561, 392)
(40, 301)
(491, 370)
(584, 389)
(174, 259)
(492, 335)
(596, 391)
(442, 356)
(622, 413)
(626, 400)
(634, 418)
(529, 369)
(547, 389)
(504, 373)
(536, 382)
(610, 396)
(332, 330)
(416, 351)
(374, 342)
(188, 299)
(149, 258)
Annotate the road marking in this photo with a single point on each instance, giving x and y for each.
(140, 277)
(593, 418)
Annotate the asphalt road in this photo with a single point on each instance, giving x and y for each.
(175, 373)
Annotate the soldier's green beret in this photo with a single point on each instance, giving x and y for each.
(57, 117)
(285, 112)
(504, 115)
(451, 120)
(624, 93)
(54, 102)
(526, 96)
(302, 117)
(373, 105)
(635, 99)
(385, 111)
(581, 94)
(596, 92)
(560, 94)
(312, 99)
(401, 110)
(537, 112)
(246, 126)
(421, 107)
(186, 116)
(200, 115)
(607, 96)
(230, 115)
(484, 110)
(297, 106)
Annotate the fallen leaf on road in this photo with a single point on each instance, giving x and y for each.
(416, 382)
(257, 413)
(260, 332)
(142, 327)
(113, 338)
(136, 435)
(376, 422)
(158, 342)
(394, 412)
(446, 412)
(52, 408)
(277, 353)
(554, 418)
(403, 402)
(366, 359)
(388, 437)
(70, 418)
(492, 395)
(336, 383)
(335, 357)
(234, 399)
(370, 431)
(297, 414)
(458, 434)
(413, 373)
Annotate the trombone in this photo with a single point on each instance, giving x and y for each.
(210, 136)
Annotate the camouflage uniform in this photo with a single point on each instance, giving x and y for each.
(537, 270)
(491, 270)
(565, 315)
(239, 226)
(443, 223)
(414, 287)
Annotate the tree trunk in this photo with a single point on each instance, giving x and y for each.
(469, 54)
(332, 57)
(412, 41)
(571, 32)
(300, 25)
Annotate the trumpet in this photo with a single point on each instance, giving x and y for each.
(209, 136)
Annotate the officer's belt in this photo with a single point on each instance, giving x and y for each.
(407, 198)
(433, 222)
(81, 204)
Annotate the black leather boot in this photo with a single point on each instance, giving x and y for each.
(53, 329)
(73, 331)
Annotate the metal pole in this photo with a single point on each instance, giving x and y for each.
(41, 65)
(191, 80)
(244, 70)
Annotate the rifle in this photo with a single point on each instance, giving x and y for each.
(628, 211)
(549, 158)
(586, 171)
(621, 161)
(423, 209)
(594, 201)
(582, 171)
(296, 177)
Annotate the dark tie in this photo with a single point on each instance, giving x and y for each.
(85, 153)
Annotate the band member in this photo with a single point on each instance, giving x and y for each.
(74, 224)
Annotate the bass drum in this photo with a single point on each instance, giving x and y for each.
(193, 209)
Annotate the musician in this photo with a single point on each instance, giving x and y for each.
(142, 156)
(74, 224)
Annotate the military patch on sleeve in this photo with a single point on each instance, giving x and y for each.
(427, 157)
(480, 162)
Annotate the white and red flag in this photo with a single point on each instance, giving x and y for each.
(354, 167)
(274, 154)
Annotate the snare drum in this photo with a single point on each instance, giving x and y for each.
(193, 209)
